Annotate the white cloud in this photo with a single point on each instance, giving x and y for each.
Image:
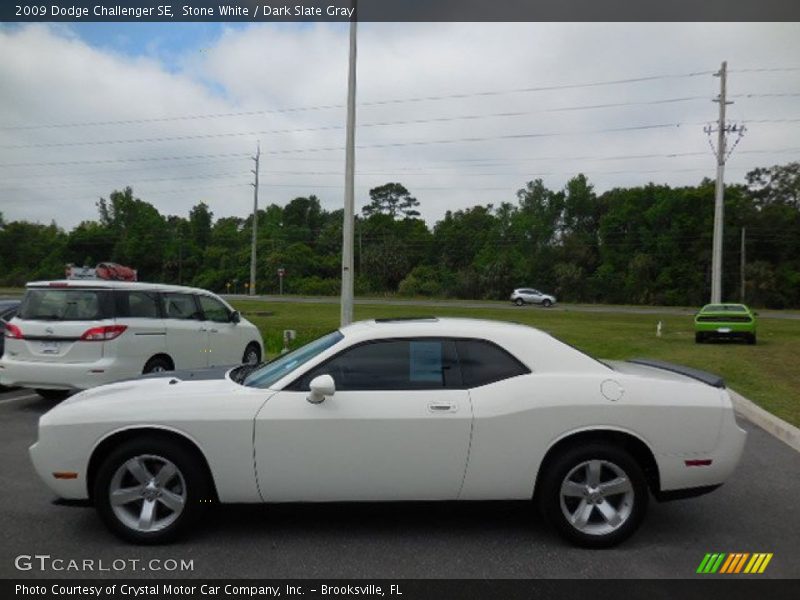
(49, 75)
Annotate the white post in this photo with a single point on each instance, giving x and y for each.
(349, 187)
(252, 288)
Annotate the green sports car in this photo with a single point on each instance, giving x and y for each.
(732, 321)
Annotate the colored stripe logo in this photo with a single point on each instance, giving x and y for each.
(735, 562)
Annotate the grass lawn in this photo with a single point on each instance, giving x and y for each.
(768, 373)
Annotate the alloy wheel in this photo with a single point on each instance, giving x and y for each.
(596, 497)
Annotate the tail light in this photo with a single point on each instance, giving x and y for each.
(103, 334)
(13, 332)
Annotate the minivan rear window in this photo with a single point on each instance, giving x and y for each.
(74, 304)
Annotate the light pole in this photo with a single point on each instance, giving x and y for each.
(349, 184)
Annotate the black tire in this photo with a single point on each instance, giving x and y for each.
(699, 338)
(547, 303)
(751, 339)
(158, 364)
(519, 301)
(252, 354)
(630, 506)
(53, 395)
(193, 482)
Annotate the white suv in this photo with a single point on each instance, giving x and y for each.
(522, 296)
(72, 335)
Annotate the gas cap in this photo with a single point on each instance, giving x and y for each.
(612, 390)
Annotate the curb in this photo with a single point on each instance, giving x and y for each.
(778, 428)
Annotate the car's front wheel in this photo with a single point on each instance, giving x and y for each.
(595, 495)
(150, 489)
(519, 302)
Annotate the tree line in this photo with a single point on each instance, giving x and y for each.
(640, 245)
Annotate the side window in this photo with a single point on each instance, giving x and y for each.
(413, 364)
(483, 363)
(180, 306)
(141, 305)
(214, 310)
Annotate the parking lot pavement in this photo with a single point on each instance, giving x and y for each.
(754, 512)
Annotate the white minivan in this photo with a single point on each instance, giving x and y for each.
(75, 334)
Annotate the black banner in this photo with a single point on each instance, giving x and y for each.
(401, 10)
(729, 588)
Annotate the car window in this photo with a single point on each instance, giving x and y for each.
(180, 306)
(274, 370)
(61, 304)
(483, 362)
(214, 310)
(405, 364)
(137, 304)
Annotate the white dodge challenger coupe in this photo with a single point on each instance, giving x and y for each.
(403, 409)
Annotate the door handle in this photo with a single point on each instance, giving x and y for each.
(202, 329)
(442, 407)
(214, 330)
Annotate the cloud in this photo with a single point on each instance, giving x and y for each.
(53, 75)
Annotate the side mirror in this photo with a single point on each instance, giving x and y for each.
(320, 388)
(235, 316)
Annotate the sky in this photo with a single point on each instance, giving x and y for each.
(459, 113)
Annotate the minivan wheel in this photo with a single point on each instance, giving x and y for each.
(150, 489)
(157, 364)
(595, 495)
(519, 302)
(53, 395)
(252, 354)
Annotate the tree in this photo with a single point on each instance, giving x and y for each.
(391, 199)
(779, 184)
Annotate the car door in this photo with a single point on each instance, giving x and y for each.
(534, 296)
(222, 335)
(187, 334)
(397, 428)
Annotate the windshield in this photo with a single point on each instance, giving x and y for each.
(275, 369)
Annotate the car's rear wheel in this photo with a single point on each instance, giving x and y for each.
(252, 354)
(595, 495)
(547, 303)
(150, 489)
(53, 395)
(519, 302)
(158, 364)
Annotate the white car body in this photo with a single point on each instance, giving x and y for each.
(53, 354)
(484, 443)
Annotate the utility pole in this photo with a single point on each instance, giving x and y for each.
(721, 153)
(349, 184)
(719, 192)
(741, 266)
(256, 159)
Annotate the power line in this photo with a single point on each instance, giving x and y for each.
(444, 119)
(487, 93)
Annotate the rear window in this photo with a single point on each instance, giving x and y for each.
(737, 308)
(46, 304)
(483, 362)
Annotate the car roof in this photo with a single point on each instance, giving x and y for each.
(115, 285)
(537, 349)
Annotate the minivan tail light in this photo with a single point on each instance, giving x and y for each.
(13, 332)
(103, 334)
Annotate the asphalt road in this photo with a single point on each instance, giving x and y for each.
(561, 307)
(755, 512)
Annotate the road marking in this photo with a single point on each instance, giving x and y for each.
(25, 397)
